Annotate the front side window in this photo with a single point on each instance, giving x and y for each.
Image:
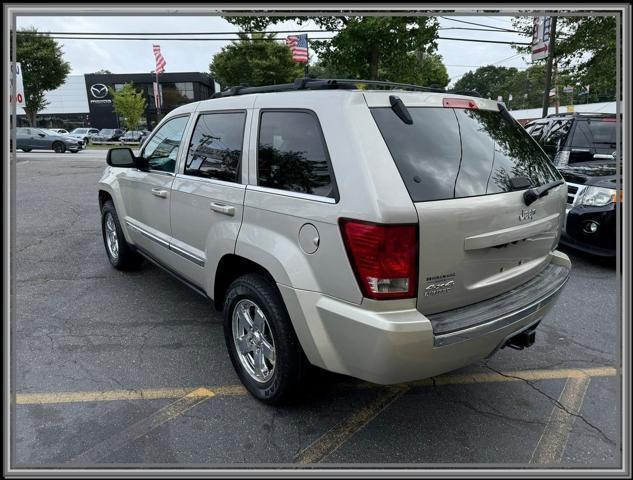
(162, 150)
(292, 155)
(216, 146)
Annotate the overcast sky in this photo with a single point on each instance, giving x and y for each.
(87, 56)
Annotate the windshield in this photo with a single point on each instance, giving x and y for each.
(80, 130)
(106, 132)
(455, 153)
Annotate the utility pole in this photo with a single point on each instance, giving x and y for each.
(548, 72)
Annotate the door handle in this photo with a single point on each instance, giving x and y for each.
(221, 208)
(159, 193)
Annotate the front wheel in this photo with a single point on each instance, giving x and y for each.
(120, 254)
(26, 150)
(263, 346)
(59, 147)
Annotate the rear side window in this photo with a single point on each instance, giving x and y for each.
(216, 146)
(455, 153)
(292, 155)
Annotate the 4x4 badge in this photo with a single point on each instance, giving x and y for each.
(527, 214)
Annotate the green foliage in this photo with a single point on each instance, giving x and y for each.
(585, 51)
(430, 71)
(255, 60)
(525, 86)
(129, 104)
(374, 48)
(43, 68)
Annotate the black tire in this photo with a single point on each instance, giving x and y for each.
(127, 258)
(290, 361)
(74, 151)
(26, 150)
(59, 147)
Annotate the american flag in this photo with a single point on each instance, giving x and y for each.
(298, 45)
(160, 61)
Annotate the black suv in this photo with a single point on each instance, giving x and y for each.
(582, 146)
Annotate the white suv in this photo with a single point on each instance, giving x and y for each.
(389, 234)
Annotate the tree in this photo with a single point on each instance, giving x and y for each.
(43, 69)
(103, 71)
(368, 47)
(255, 60)
(430, 71)
(585, 52)
(489, 80)
(129, 104)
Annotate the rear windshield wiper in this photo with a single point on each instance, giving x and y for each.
(533, 194)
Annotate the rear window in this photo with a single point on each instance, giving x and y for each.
(455, 153)
(592, 134)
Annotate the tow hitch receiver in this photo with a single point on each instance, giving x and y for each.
(522, 340)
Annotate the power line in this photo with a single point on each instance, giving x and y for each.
(481, 25)
(335, 30)
(26, 32)
(224, 39)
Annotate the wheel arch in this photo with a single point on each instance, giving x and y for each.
(230, 267)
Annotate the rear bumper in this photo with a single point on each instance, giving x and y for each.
(391, 346)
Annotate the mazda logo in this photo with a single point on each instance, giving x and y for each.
(99, 90)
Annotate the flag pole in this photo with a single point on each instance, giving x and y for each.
(157, 99)
(308, 55)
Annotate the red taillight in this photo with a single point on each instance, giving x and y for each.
(384, 258)
(459, 103)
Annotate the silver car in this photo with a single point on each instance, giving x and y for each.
(390, 235)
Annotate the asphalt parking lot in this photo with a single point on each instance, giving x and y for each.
(116, 368)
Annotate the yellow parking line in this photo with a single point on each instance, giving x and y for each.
(553, 441)
(238, 390)
(143, 427)
(338, 435)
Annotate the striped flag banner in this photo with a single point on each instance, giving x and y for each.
(160, 61)
(298, 45)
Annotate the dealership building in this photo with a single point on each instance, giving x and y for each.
(85, 100)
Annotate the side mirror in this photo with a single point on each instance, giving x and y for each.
(41, 135)
(121, 157)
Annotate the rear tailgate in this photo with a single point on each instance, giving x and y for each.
(478, 238)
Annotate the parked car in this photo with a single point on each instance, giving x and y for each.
(28, 139)
(108, 135)
(583, 148)
(389, 235)
(134, 136)
(84, 134)
(53, 132)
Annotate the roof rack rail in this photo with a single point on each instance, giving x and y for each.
(309, 83)
(578, 114)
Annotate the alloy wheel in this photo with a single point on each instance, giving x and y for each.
(253, 339)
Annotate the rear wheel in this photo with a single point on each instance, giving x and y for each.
(120, 254)
(59, 147)
(263, 346)
(26, 150)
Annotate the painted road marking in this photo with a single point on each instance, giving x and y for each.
(142, 427)
(239, 390)
(337, 436)
(551, 446)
